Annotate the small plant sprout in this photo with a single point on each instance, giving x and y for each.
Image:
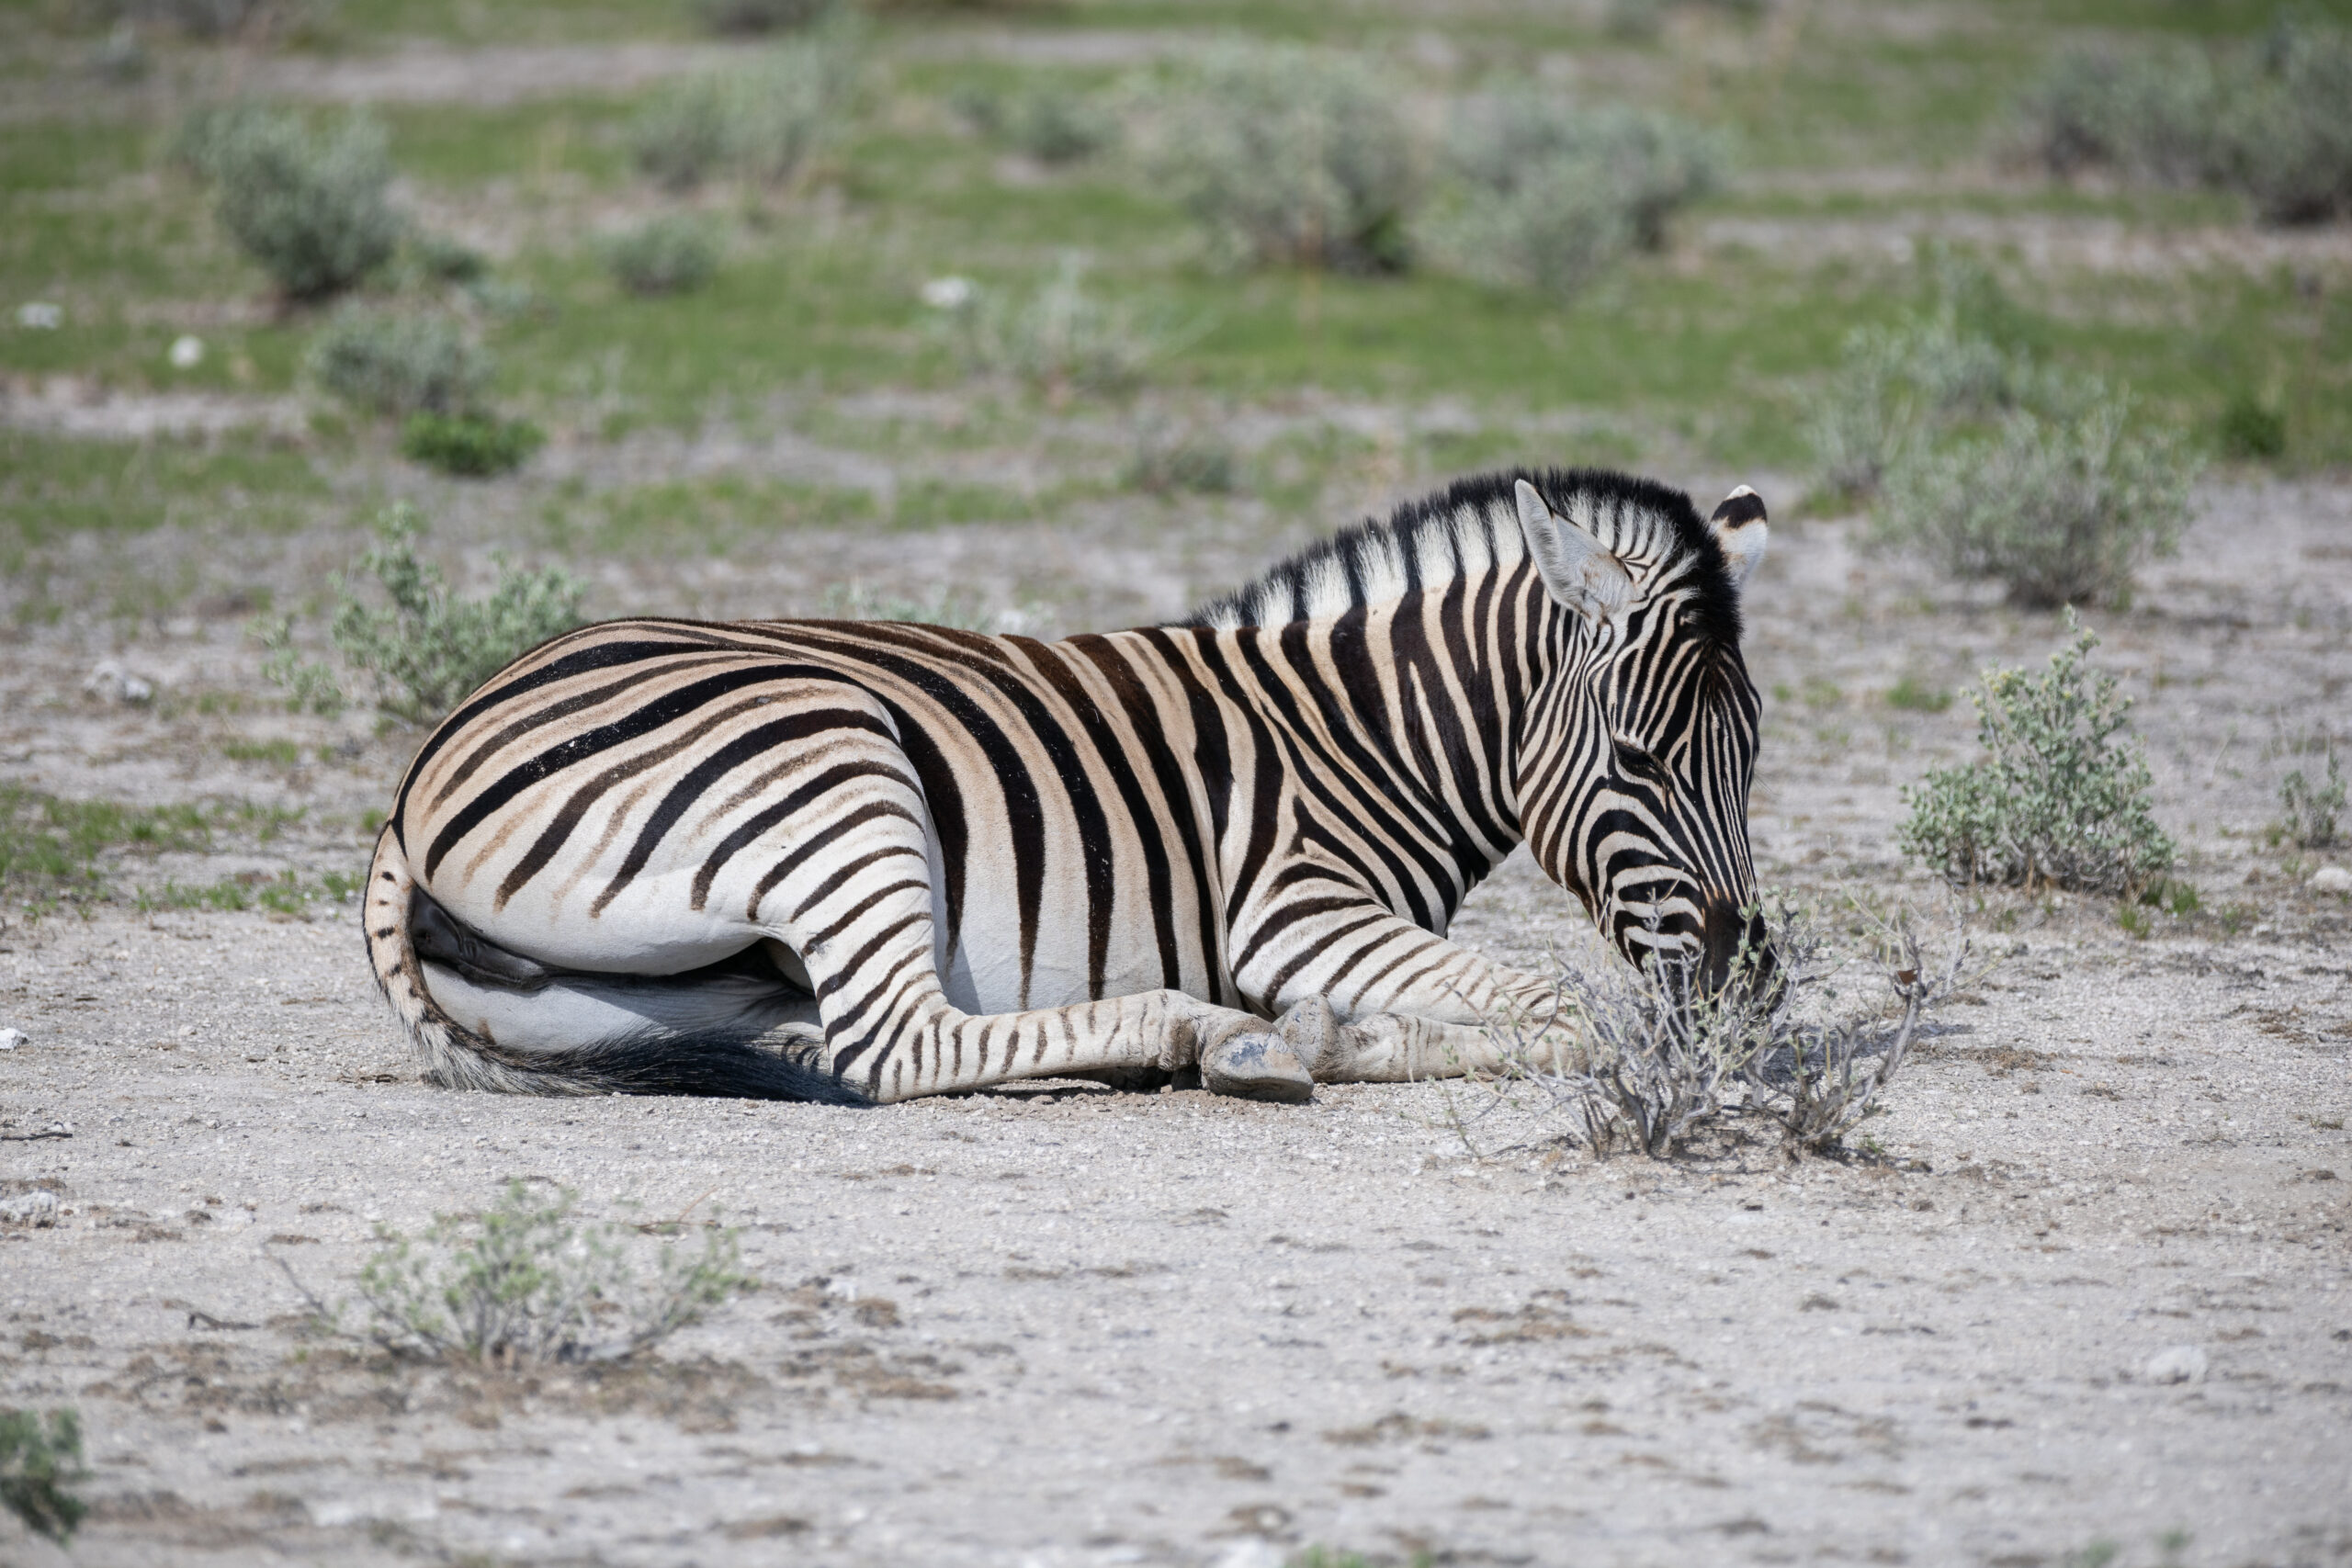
(2061, 799)
(2309, 810)
(310, 686)
(40, 1460)
(528, 1282)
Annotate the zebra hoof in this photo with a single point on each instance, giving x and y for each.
(1257, 1066)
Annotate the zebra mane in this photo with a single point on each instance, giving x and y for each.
(1473, 526)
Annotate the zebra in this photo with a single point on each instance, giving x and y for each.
(864, 861)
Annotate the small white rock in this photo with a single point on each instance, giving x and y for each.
(12, 1038)
(40, 316)
(2331, 879)
(1252, 1552)
(36, 1209)
(2176, 1363)
(949, 293)
(111, 681)
(187, 352)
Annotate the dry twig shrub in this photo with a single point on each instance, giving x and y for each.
(1641, 1059)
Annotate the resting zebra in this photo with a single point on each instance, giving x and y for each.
(840, 861)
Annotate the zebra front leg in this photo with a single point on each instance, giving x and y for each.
(891, 1034)
(1367, 997)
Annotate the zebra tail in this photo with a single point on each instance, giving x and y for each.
(458, 1058)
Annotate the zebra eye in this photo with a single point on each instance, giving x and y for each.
(1632, 759)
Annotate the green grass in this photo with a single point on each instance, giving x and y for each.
(706, 515)
(54, 486)
(275, 753)
(819, 293)
(284, 892)
(1916, 696)
(53, 849)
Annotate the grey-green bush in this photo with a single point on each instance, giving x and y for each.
(423, 646)
(1285, 154)
(753, 16)
(1057, 125)
(666, 256)
(2061, 799)
(759, 120)
(528, 1282)
(1899, 389)
(1058, 337)
(399, 363)
(2264, 119)
(312, 209)
(1548, 196)
(2061, 506)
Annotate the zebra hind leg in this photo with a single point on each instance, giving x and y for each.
(736, 1028)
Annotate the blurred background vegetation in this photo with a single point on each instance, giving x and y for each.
(270, 261)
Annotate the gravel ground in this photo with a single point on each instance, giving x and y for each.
(2091, 1290)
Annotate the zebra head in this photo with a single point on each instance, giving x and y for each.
(1639, 740)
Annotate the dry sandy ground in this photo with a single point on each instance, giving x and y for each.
(1074, 1327)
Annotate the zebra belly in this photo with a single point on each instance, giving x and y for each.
(651, 929)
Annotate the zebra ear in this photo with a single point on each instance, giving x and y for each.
(1577, 569)
(1739, 528)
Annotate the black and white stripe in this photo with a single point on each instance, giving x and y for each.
(831, 860)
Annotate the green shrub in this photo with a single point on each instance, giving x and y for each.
(2060, 799)
(426, 649)
(1165, 462)
(310, 686)
(2309, 811)
(681, 137)
(312, 211)
(399, 363)
(1289, 154)
(2264, 118)
(1058, 338)
(1899, 389)
(1055, 125)
(753, 16)
(2250, 428)
(246, 21)
(2059, 508)
(40, 1461)
(446, 260)
(527, 1284)
(760, 120)
(471, 446)
(2152, 112)
(667, 256)
(1917, 696)
(1549, 195)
